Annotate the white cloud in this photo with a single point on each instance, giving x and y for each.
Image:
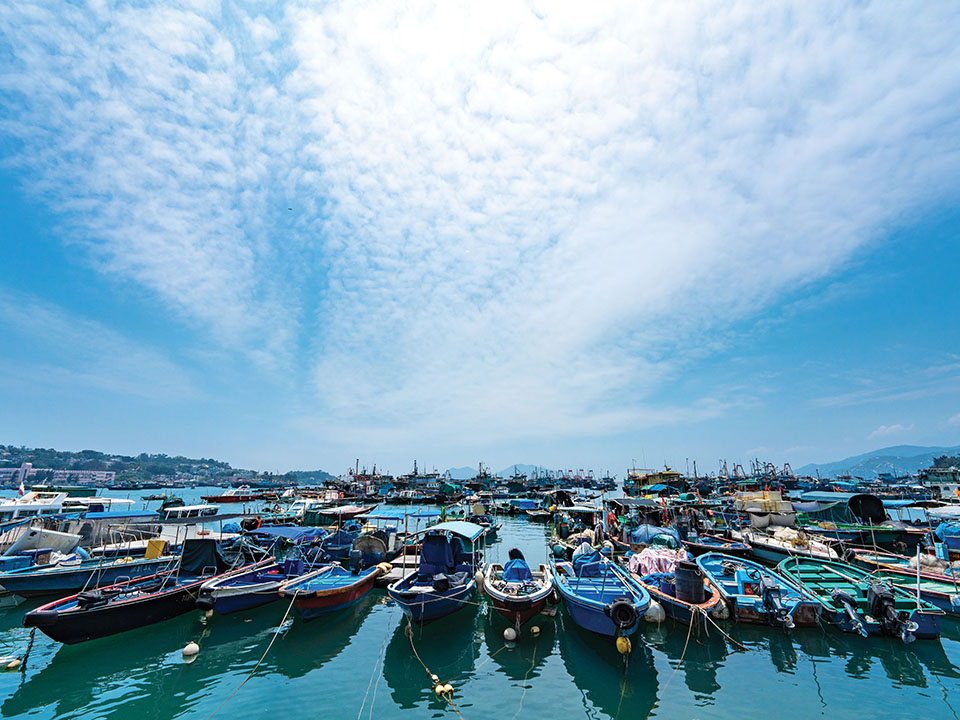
(954, 419)
(508, 219)
(81, 354)
(889, 430)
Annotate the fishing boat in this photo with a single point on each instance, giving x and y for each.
(444, 581)
(516, 590)
(539, 515)
(253, 588)
(714, 543)
(940, 590)
(685, 594)
(756, 594)
(124, 606)
(783, 543)
(330, 588)
(72, 576)
(242, 494)
(599, 595)
(856, 601)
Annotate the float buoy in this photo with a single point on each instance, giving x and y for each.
(623, 645)
(191, 649)
(438, 690)
(509, 634)
(478, 577)
(655, 613)
(448, 689)
(13, 664)
(435, 679)
(535, 630)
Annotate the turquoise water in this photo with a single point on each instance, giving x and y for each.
(359, 663)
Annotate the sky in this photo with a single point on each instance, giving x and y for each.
(293, 235)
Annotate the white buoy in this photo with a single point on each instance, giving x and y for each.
(535, 630)
(655, 613)
(448, 689)
(510, 634)
(13, 664)
(478, 577)
(191, 649)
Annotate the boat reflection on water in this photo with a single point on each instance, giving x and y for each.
(94, 675)
(599, 672)
(524, 659)
(306, 646)
(87, 676)
(911, 665)
(448, 646)
(703, 656)
(772, 641)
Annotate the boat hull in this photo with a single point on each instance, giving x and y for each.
(67, 582)
(310, 608)
(75, 627)
(425, 607)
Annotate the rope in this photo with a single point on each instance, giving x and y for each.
(380, 658)
(445, 696)
(526, 675)
(262, 657)
(663, 690)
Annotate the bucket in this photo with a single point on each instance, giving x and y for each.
(689, 582)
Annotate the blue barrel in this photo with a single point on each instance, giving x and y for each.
(688, 579)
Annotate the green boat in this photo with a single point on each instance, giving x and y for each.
(942, 591)
(857, 601)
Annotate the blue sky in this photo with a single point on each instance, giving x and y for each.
(292, 235)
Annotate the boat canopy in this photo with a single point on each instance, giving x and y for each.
(290, 532)
(468, 530)
(646, 533)
(399, 514)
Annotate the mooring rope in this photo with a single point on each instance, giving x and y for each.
(444, 695)
(262, 657)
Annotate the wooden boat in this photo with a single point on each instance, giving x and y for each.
(106, 611)
(941, 591)
(678, 597)
(540, 515)
(773, 548)
(856, 601)
(756, 594)
(253, 588)
(444, 582)
(714, 543)
(599, 595)
(329, 589)
(516, 591)
(65, 578)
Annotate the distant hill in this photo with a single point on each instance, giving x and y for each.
(461, 473)
(520, 468)
(144, 465)
(899, 459)
(466, 472)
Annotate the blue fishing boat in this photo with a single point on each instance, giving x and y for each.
(599, 595)
(68, 577)
(703, 543)
(329, 589)
(444, 581)
(756, 594)
(243, 591)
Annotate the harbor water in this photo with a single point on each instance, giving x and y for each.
(361, 663)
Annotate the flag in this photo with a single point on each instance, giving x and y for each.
(22, 490)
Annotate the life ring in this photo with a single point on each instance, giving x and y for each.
(623, 613)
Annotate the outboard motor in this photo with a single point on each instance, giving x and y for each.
(772, 597)
(849, 605)
(881, 602)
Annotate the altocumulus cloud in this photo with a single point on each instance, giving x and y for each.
(508, 218)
